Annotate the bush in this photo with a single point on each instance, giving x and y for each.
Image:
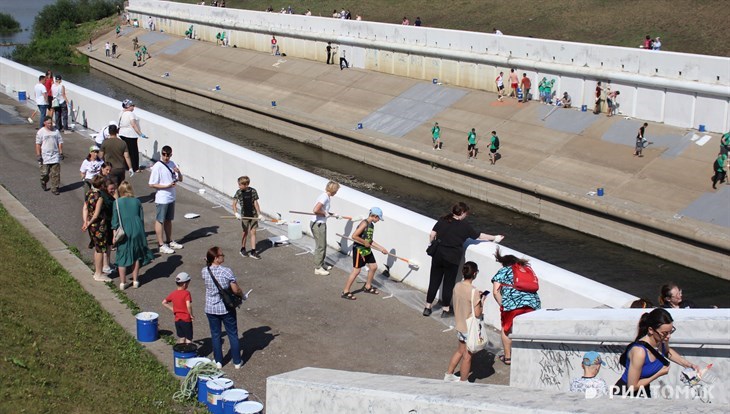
(8, 24)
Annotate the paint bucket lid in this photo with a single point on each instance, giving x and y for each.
(235, 394)
(206, 378)
(248, 407)
(220, 384)
(185, 348)
(192, 362)
(147, 316)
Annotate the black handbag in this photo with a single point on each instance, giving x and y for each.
(230, 300)
(433, 247)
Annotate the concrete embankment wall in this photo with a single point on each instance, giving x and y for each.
(678, 89)
(217, 164)
(325, 391)
(548, 346)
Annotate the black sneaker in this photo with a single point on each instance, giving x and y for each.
(242, 252)
(254, 255)
(427, 311)
(447, 314)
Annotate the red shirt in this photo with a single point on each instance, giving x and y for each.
(179, 305)
(526, 83)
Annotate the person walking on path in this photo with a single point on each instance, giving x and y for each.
(725, 143)
(41, 100)
(129, 131)
(60, 105)
(318, 225)
(132, 251)
(512, 302)
(500, 86)
(471, 147)
(344, 64)
(109, 195)
(49, 151)
(48, 83)
(90, 167)
(180, 303)
(647, 358)
(467, 300)
(449, 233)
(514, 83)
(215, 308)
(248, 198)
(436, 136)
(113, 150)
(493, 148)
(95, 222)
(719, 169)
(640, 141)
(164, 177)
(274, 47)
(525, 85)
(362, 254)
(107, 49)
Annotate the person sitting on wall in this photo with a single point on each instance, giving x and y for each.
(671, 297)
(589, 384)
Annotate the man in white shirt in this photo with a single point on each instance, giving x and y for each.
(164, 176)
(41, 98)
(318, 225)
(49, 150)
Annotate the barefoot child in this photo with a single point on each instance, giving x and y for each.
(362, 253)
(181, 304)
(248, 198)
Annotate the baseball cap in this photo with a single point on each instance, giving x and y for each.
(113, 123)
(58, 77)
(93, 148)
(182, 277)
(127, 103)
(593, 358)
(378, 212)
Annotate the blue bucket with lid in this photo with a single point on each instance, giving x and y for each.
(147, 326)
(203, 386)
(216, 388)
(231, 398)
(180, 355)
(248, 407)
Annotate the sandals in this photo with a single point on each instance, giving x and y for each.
(505, 361)
(348, 296)
(371, 290)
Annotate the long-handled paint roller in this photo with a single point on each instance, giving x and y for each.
(412, 263)
(551, 112)
(278, 221)
(311, 214)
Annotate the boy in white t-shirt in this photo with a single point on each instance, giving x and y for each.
(164, 175)
(589, 383)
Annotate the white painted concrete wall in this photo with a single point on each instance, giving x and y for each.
(675, 88)
(218, 163)
(548, 347)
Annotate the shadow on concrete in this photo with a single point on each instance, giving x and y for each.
(149, 198)
(70, 187)
(198, 234)
(482, 365)
(164, 267)
(255, 339)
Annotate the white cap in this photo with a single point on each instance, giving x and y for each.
(182, 277)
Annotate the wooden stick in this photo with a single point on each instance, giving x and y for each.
(253, 218)
(414, 264)
(311, 214)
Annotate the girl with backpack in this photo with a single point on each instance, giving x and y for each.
(515, 290)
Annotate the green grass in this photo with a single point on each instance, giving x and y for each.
(61, 352)
(691, 26)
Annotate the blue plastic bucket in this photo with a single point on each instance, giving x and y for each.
(231, 398)
(702, 127)
(519, 93)
(216, 388)
(584, 108)
(359, 125)
(273, 103)
(248, 407)
(180, 355)
(22, 96)
(435, 81)
(600, 191)
(147, 326)
(203, 386)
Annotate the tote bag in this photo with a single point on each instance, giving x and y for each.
(476, 336)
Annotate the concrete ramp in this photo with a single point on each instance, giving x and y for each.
(566, 120)
(177, 47)
(410, 109)
(624, 132)
(150, 38)
(711, 207)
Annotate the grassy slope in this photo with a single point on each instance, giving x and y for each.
(61, 352)
(692, 26)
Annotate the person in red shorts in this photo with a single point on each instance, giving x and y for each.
(512, 302)
(181, 304)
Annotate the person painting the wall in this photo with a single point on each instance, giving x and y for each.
(318, 226)
(362, 254)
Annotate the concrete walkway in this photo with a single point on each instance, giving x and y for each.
(293, 319)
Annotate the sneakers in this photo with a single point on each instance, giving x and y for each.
(252, 254)
(427, 311)
(166, 249)
(107, 270)
(135, 284)
(451, 378)
(219, 365)
(123, 286)
(447, 313)
(321, 271)
(175, 245)
(102, 278)
(242, 252)
(238, 366)
(326, 266)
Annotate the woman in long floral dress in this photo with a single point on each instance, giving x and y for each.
(96, 223)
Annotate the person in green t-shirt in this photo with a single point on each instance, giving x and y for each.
(471, 148)
(493, 148)
(725, 143)
(436, 136)
(362, 254)
(718, 167)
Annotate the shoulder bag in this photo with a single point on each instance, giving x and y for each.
(230, 300)
(119, 234)
(476, 336)
(433, 247)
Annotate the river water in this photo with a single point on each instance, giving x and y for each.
(24, 11)
(605, 262)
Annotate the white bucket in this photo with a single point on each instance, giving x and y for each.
(201, 190)
(231, 398)
(215, 389)
(249, 407)
(192, 362)
(294, 230)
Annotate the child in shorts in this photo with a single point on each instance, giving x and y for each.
(362, 254)
(248, 199)
(181, 304)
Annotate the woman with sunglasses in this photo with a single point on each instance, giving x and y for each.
(647, 358)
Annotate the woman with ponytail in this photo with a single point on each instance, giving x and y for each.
(647, 358)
